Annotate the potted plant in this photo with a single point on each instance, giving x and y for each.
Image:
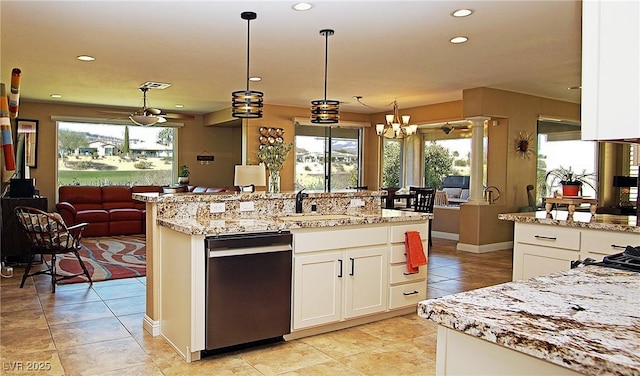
(183, 174)
(570, 181)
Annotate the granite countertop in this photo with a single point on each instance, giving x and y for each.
(207, 196)
(608, 222)
(195, 226)
(586, 319)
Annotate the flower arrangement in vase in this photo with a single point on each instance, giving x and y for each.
(183, 174)
(273, 157)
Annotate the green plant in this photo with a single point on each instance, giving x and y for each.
(566, 176)
(183, 172)
(274, 155)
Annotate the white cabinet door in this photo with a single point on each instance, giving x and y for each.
(533, 260)
(596, 244)
(365, 274)
(610, 74)
(317, 293)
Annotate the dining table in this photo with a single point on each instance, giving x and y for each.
(391, 197)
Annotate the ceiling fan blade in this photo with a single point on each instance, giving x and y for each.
(154, 111)
(124, 113)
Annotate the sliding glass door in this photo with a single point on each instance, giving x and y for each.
(327, 159)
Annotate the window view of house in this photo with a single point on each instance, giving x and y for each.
(105, 154)
(561, 149)
(327, 159)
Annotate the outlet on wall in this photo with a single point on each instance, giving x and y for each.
(247, 206)
(217, 207)
(356, 202)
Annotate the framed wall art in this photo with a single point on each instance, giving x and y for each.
(28, 130)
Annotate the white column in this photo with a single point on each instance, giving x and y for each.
(477, 156)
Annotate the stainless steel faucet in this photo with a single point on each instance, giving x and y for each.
(299, 197)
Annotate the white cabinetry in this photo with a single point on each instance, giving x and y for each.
(542, 249)
(406, 289)
(336, 284)
(610, 74)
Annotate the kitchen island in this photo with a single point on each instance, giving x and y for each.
(345, 228)
(579, 321)
(548, 242)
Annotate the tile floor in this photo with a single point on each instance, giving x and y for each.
(82, 330)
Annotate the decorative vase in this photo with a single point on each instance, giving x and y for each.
(183, 180)
(274, 181)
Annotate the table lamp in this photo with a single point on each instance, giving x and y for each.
(247, 177)
(624, 183)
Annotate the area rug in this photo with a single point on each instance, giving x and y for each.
(106, 258)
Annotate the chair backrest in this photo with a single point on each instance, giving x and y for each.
(441, 199)
(47, 232)
(425, 198)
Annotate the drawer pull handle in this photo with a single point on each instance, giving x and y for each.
(407, 273)
(340, 273)
(618, 246)
(352, 265)
(410, 293)
(542, 237)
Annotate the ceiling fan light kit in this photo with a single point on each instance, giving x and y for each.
(247, 103)
(145, 117)
(325, 111)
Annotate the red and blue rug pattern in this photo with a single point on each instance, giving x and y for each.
(106, 258)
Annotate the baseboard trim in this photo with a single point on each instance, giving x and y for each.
(445, 235)
(484, 248)
(150, 326)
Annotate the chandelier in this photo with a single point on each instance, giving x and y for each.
(394, 126)
(247, 103)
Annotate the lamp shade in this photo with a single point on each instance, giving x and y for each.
(250, 175)
(144, 120)
(625, 181)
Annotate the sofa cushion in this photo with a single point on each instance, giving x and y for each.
(92, 216)
(116, 197)
(81, 197)
(125, 215)
(452, 192)
(464, 194)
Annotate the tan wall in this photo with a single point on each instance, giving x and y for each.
(193, 138)
(446, 220)
(479, 225)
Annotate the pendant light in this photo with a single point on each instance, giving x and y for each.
(325, 111)
(247, 103)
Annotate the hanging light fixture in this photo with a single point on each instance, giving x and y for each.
(247, 103)
(394, 126)
(325, 111)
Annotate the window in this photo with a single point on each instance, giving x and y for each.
(559, 145)
(327, 159)
(392, 163)
(106, 154)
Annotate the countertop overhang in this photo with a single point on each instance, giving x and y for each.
(586, 319)
(607, 222)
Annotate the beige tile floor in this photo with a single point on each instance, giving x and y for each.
(97, 330)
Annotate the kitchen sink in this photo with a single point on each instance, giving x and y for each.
(314, 217)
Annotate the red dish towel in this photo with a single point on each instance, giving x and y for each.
(415, 252)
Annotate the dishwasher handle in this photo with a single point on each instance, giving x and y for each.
(248, 251)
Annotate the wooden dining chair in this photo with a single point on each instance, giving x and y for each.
(49, 237)
(423, 202)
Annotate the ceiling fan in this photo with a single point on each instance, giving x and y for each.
(149, 116)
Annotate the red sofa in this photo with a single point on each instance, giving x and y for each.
(109, 210)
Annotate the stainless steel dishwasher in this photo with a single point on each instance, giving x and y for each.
(248, 288)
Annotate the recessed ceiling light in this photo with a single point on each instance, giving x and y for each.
(56, 96)
(302, 6)
(462, 13)
(255, 79)
(179, 105)
(457, 40)
(85, 58)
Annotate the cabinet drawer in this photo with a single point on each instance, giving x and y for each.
(397, 232)
(406, 295)
(533, 260)
(330, 239)
(399, 274)
(597, 244)
(547, 236)
(398, 254)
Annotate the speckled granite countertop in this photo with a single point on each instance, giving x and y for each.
(195, 226)
(607, 222)
(585, 319)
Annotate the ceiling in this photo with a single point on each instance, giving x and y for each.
(381, 51)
